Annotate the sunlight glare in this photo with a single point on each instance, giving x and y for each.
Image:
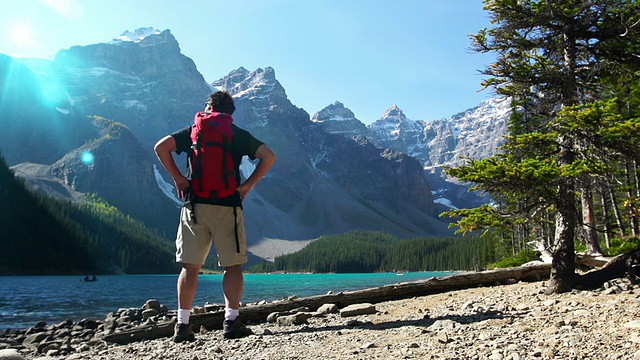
(21, 35)
(87, 158)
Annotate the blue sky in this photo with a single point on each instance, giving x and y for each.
(367, 54)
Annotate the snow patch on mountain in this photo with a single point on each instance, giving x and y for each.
(166, 188)
(445, 202)
(134, 103)
(136, 36)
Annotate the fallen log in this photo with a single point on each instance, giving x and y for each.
(591, 261)
(620, 266)
(259, 313)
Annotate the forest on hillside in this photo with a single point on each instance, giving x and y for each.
(41, 235)
(371, 251)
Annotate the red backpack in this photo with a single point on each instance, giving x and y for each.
(213, 173)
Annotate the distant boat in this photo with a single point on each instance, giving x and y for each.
(399, 273)
(90, 279)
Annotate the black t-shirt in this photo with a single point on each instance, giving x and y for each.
(242, 143)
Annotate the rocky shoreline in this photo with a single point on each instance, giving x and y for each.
(502, 322)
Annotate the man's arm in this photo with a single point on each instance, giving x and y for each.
(267, 158)
(163, 148)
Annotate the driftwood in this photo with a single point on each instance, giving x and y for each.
(591, 261)
(627, 264)
(259, 313)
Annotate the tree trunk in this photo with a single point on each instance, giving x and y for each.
(616, 210)
(589, 219)
(631, 195)
(636, 184)
(563, 264)
(607, 218)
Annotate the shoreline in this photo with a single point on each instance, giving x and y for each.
(98, 303)
(509, 322)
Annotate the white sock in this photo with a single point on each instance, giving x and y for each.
(183, 316)
(231, 314)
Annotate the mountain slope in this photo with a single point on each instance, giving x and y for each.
(59, 237)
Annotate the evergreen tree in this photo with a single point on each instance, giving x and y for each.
(555, 59)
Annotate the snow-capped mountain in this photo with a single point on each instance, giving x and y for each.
(475, 133)
(143, 89)
(337, 119)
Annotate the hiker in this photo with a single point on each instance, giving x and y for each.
(213, 206)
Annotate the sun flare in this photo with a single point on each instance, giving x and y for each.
(21, 35)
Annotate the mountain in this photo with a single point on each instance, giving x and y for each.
(475, 133)
(324, 183)
(58, 237)
(113, 165)
(114, 100)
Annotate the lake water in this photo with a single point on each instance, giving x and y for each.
(25, 300)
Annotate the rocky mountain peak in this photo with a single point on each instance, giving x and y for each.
(338, 119)
(145, 52)
(137, 35)
(334, 112)
(394, 113)
(242, 83)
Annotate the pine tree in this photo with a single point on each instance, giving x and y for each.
(554, 60)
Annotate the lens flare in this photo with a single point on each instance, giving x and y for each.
(87, 158)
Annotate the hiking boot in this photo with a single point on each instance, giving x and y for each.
(182, 333)
(234, 329)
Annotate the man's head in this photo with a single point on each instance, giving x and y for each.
(220, 101)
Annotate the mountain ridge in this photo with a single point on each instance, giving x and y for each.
(325, 181)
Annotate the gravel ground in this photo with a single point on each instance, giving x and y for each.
(507, 322)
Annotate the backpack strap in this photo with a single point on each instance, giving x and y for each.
(235, 228)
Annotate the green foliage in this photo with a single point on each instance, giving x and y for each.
(621, 246)
(365, 251)
(518, 259)
(59, 237)
(571, 70)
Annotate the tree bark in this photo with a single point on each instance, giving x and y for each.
(607, 217)
(589, 219)
(630, 171)
(616, 210)
(563, 263)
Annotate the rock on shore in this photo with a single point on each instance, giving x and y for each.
(504, 322)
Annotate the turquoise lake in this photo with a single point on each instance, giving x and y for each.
(25, 300)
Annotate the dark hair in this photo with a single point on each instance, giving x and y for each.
(221, 101)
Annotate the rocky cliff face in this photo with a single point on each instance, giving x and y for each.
(147, 85)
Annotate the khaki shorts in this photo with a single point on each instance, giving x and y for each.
(217, 224)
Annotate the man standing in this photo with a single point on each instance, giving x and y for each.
(218, 219)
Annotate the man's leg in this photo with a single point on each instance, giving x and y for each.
(232, 286)
(187, 285)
